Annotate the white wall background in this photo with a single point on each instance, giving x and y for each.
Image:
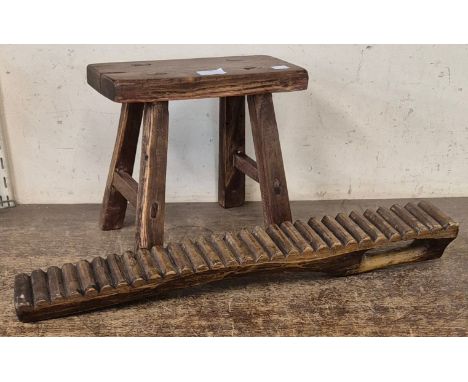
(377, 121)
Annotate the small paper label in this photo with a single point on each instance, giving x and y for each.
(211, 72)
(280, 67)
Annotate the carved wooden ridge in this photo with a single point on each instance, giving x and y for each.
(343, 245)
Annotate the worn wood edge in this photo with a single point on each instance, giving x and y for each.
(418, 250)
(93, 78)
(346, 260)
(178, 88)
(203, 87)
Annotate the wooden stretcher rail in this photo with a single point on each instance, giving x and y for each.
(127, 186)
(246, 165)
(343, 245)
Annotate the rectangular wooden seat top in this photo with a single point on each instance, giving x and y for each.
(151, 81)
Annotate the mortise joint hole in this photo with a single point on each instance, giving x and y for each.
(277, 186)
(154, 210)
(249, 67)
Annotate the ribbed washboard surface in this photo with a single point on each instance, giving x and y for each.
(333, 245)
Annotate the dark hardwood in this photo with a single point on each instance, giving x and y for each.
(127, 186)
(231, 181)
(186, 264)
(246, 165)
(152, 185)
(150, 81)
(114, 204)
(272, 178)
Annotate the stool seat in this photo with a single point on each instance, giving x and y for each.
(152, 81)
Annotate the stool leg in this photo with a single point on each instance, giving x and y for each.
(231, 181)
(152, 185)
(114, 204)
(272, 179)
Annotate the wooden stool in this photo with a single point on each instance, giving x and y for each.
(144, 89)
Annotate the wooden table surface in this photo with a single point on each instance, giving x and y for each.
(426, 299)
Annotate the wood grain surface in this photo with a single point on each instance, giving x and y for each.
(195, 262)
(231, 181)
(151, 202)
(114, 204)
(270, 168)
(423, 299)
(150, 81)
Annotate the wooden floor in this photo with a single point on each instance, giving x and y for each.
(425, 299)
